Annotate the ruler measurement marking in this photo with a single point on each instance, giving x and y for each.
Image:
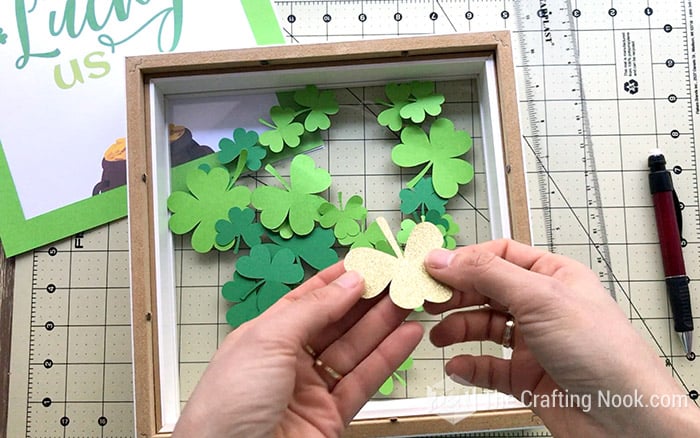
(30, 370)
(535, 146)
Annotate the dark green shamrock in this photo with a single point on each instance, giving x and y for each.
(421, 197)
(243, 311)
(283, 129)
(240, 225)
(275, 273)
(260, 280)
(345, 221)
(316, 248)
(239, 289)
(242, 141)
(320, 103)
(3, 36)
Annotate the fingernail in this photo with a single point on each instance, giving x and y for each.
(439, 258)
(349, 280)
(459, 379)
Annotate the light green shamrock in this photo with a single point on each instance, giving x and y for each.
(211, 195)
(298, 201)
(442, 152)
(283, 130)
(320, 103)
(388, 385)
(345, 221)
(425, 101)
(399, 95)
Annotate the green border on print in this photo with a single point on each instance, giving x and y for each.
(19, 234)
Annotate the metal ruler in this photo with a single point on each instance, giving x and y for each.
(588, 70)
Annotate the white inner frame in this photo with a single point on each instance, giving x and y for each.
(482, 68)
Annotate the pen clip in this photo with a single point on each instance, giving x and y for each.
(679, 216)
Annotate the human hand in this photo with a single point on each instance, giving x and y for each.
(263, 380)
(570, 338)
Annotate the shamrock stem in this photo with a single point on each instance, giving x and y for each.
(254, 289)
(398, 377)
(300, 112)
(266, 123)
(237, 245)
(418, 177)
(240, 165)
(272, 171)
(340, 199)
(381, 102)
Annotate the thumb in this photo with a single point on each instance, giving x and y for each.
(476, 270)
(307, 314)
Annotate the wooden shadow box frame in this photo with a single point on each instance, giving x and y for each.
(151, 79)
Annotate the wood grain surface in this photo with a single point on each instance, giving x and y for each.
(7, 277)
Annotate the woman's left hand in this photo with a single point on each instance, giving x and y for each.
(305, 366)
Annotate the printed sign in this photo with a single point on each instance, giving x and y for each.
(63, 124)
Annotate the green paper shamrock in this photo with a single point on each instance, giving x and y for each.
(284, 230)
(449, 231)
(399, 95)
(445, 223)
(345, 221)
(284, 129)
(210, 197)
(275, 273)
(434, 217)
(239, 289)
(422, 196)
(205, 167)
(298, 201)
(388, 385)
(240, 225)
(316, 248)
(242, 141)
(425, 101)
(259, 281)
(410, 101)
(372, 237)
(321, 103)
(407, 226)
(3, 36)
(441, 152)
(242, 312)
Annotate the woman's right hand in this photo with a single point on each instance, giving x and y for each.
(571, 342)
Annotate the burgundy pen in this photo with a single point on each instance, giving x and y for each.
(668, 226)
